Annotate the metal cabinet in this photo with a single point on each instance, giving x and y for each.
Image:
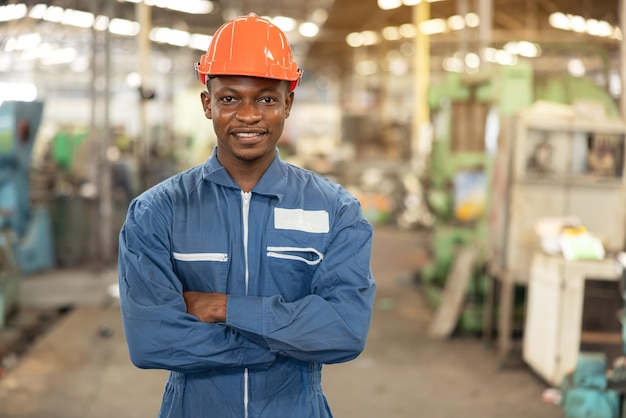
(553, 333)
(557, 167)
(549, 164)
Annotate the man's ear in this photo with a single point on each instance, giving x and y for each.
(205, 96)
(289, 103)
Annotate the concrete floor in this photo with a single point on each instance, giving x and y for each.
(80, 367)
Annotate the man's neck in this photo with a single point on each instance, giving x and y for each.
(246, 173)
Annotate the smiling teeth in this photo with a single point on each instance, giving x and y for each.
(248, 134)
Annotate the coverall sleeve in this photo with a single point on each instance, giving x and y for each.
(331, 324)
(160, 333)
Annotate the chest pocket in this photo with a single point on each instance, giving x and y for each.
(309, 256)
(202, 264)
(291, 271)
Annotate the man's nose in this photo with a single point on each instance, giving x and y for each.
(248, 112)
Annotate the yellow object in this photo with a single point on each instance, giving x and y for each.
(574, 230)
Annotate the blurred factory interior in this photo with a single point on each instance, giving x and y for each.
(485, 140)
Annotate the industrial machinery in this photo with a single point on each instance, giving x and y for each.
(593, 390)
(25, 238)
(466, 114)
(587, 392)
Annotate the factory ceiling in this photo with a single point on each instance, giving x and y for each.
(512, 20)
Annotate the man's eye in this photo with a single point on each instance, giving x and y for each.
(268, 100)
(228, 99)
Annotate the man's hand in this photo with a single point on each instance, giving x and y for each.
(208, 307)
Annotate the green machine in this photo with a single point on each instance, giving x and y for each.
(465, 114)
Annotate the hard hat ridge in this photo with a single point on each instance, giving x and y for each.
(249, 46)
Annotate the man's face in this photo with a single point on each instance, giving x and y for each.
(248, 116)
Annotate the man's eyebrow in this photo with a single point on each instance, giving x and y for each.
(264, 90)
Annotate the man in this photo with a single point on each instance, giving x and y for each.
(244, 275)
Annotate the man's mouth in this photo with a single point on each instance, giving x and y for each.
(247, 134)
(248, 137)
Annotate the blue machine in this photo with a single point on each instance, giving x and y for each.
(25, 232)
(593, 390)
(586, 393)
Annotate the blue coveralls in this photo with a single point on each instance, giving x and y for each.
(293, 256)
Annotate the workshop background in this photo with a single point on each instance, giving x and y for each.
(485, 140)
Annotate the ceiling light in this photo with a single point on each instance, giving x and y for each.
(186, 6)
(528, 49)
(433, 26)
(389, 4)
(408, 30)
(576, 67)
(559, 21)
(308, 29)
(579, 24)
(200, 41)
(599, 28)
(78, 18)
(472, 20)
(472, 60)
(170, 36)
(38, 11)
(101, 23)
(123, 27)
(391, 33)
(134, 80)
(510, 47)
(354, 39)
(452, 64)
(12, 12)
(394, 4)
(370, 37)
(178, 37)
(489, 54)
(196, 7)
(456, 22)
(505, 58)
(53, 14)
(159, 35)
(286, 24)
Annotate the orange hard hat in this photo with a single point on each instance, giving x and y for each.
(249, 46)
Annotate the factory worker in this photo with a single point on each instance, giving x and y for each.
(244, 275)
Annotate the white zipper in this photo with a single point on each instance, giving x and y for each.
(200, 256)
(280, 252)
(245, 212)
